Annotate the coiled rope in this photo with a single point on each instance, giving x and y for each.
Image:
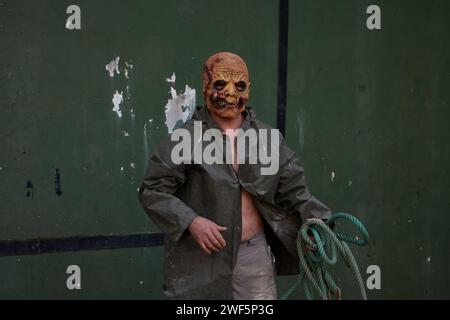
(317, 247)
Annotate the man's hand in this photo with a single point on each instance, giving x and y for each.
(207, 234)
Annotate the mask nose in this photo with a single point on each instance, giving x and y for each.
(230, 90)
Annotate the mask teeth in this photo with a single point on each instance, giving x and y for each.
(221, 103)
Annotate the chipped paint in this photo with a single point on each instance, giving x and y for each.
(58, 190)
(117, 100)
(125, 133)
(180, 107)
(333, 175)
(133, 165)
(30, 189)
(113, 66)
(172, 79)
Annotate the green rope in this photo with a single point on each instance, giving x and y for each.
(315, 255)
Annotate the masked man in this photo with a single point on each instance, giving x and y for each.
(229, 229)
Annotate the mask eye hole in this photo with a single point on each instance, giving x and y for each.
(241, 86)
(219, 84)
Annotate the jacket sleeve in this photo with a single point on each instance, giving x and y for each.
(292, 191)
(157, 193)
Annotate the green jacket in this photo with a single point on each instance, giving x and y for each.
(173, 195)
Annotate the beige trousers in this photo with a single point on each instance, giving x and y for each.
(254, 273)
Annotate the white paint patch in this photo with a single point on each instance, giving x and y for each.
(180, 107)
(126, 134)
(121, 169)
(132, 112)
(133, 165)
(129, 65)
(333, 175)
(429, 259)
(1, 168)
(350, 183)
(126, 73)
(117, 100)
(409, 221)
(300, 125)
(113, 66)
(172, 79)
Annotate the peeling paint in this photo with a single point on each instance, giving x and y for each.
(113, 66)
(172, 79)
(129, 65)
(180, 107)
(117, 100)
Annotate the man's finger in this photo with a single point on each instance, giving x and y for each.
(210, 245)
(220, 239)
(220, 228)
(213, 239)
(205, 248)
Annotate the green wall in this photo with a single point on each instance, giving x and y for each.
(369, 105)
(373, 106)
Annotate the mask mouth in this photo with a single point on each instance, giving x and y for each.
(222, 104)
